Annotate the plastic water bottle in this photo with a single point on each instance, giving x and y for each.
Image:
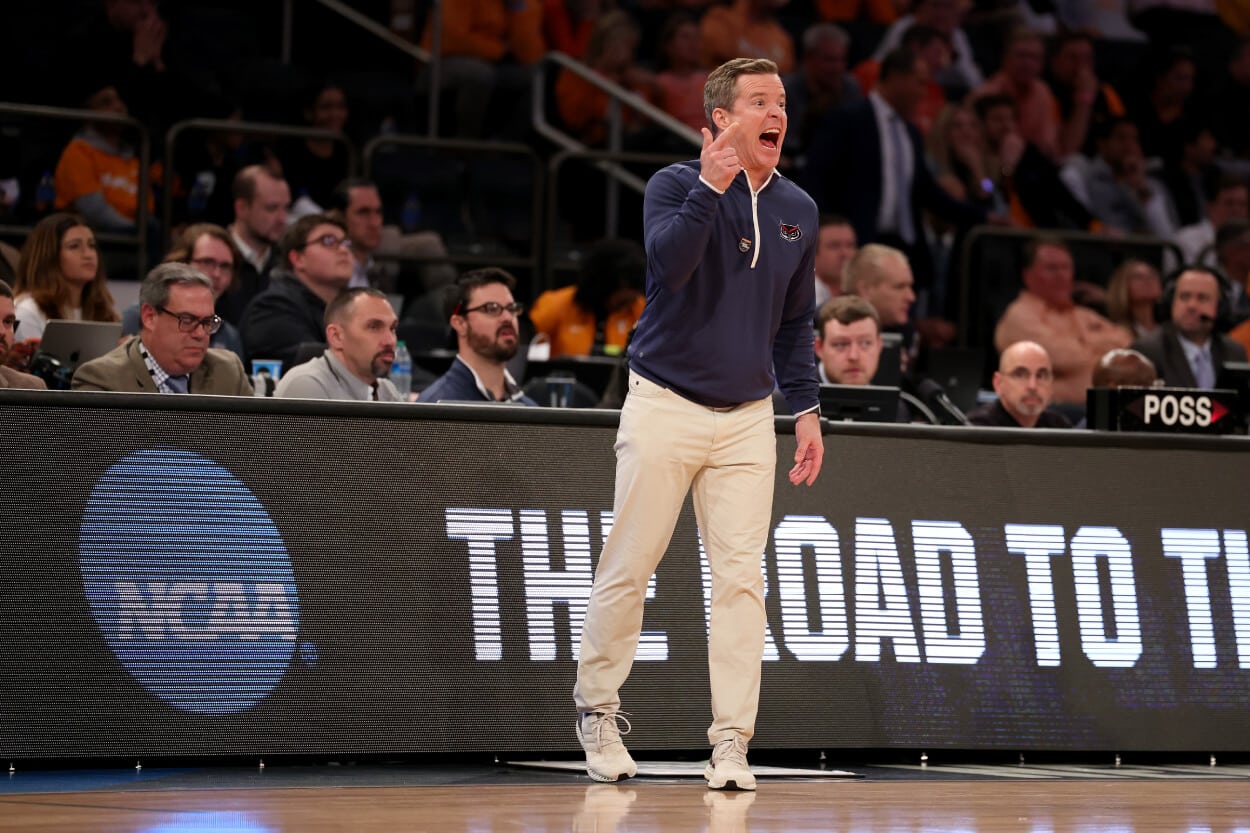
(401, 370)
(410, 215)
(45, 193)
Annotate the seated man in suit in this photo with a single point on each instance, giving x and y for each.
(261, 202)
(1023, 382)
(867, 163)
(171, 352)
(483, 315)
(10, 378)
(1186, 350)
(360, 329)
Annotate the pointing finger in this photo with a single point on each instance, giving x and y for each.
(725, 134)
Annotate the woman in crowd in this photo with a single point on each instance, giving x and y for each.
(960, 156)
(60, 275)
(1132, 296)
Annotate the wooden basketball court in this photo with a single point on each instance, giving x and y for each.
(937, 800)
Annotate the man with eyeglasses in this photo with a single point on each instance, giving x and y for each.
(1023, 382)
(171, 353)
(209, 249)
(10, 378)
(286, 321)
(484, 315)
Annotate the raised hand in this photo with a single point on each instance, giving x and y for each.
(719, 158)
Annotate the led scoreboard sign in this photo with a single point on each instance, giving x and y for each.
(335, 595)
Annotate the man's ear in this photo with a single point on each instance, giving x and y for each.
(147, 314)
(334, 336)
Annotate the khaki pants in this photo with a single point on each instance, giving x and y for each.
(667, 445)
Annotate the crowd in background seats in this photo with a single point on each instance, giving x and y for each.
(911, 122)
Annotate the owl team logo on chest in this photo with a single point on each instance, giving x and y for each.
(790, 233)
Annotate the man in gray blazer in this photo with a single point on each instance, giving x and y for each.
(1186, 350)
(171, 352)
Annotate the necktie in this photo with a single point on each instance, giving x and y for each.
(178, 384)
(902, 183)
(374, 387)
(1204, 374)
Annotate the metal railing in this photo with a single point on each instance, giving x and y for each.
(245, 128)
(140, 238)
(606, 159)
(432, 57)
(618, 96)
(1117, 248)
(479, 149)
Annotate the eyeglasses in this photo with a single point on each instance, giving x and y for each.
(330, 241)
(841, 345)
(1023, 374)
(12, 323)
(187, 323)
(209, 264)
(494, 309)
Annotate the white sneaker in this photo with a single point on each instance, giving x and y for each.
(607, 759)
(728, 768)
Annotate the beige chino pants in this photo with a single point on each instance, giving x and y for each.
(666, 446)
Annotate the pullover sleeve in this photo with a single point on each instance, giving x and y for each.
(679, 225)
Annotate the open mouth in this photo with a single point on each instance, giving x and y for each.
(770, 138)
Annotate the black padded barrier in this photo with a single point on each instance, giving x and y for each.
(198, 576)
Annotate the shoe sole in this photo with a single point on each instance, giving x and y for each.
(730, 785)
(607, 779)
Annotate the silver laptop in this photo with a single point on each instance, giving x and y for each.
(75, 342)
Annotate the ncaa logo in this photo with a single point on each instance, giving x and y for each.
(189, 581)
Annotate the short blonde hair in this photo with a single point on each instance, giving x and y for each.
(721, 86)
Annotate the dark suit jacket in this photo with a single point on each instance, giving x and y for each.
(843, 174)
(1163, 348)
(251, 283)
(122, 370)
(281, 319)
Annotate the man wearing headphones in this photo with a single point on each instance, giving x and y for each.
(1187, 350)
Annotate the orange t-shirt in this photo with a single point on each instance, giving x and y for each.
(1241, 335)
(571, 329)
(491, 29)
(85, 169)
(681, 96)
(725, 32)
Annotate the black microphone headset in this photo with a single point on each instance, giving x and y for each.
(1223, 311)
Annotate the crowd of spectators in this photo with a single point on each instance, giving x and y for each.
(910, 123)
